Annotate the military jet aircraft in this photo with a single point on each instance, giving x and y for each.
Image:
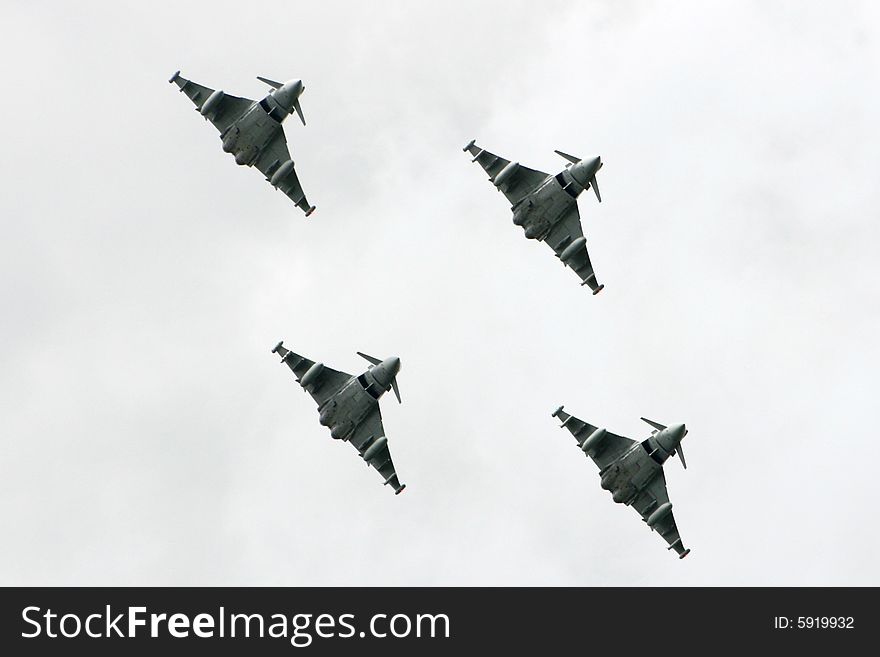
(546, 205)
(633, 471)
(251, 130)
(349, 405)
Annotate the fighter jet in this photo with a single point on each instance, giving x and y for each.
(251, 130)
(349, 405)
(633, 471)
(546, 205)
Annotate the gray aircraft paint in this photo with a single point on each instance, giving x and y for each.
(150, 439)
(545, 205)
(251, 131)
(632, 471)
(349, 405)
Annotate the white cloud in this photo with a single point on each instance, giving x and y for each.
(150, 438)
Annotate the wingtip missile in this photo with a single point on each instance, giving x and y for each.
(310, 210)
(174, 77)
(558, 410)
(470, 143)
(400, 490)
(277, 346)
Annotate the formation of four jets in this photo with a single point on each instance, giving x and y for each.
(544, 205)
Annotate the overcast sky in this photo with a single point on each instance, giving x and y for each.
(149, 437)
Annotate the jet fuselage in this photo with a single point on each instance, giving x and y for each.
(357, 399)
(252, 132)
(249, 135)
(634, 470)
(630, 474)
(542, 208)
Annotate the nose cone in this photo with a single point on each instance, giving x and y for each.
(670, 437)
(392, 365)
(385, 371)
(676, 433)
(584, 170)
(287, 95)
